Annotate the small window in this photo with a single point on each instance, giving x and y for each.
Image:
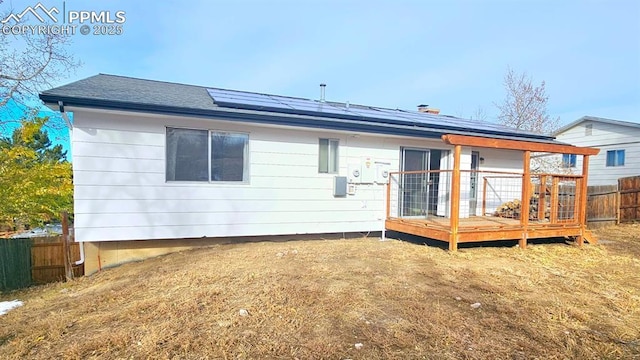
(569, 160)
(328, 156)
(203, 155)
(615, 158)
(588, 129)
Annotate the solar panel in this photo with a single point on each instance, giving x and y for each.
(242, 100)
(264, 102)
(372, 113)
(412, 118)
(452, 122)
(312, 106)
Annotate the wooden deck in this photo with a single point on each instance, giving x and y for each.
(483, 228)
(459, 228)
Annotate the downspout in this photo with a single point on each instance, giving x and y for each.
(70, 127)
(81, 247)
(66, 119)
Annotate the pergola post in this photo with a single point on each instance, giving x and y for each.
(455, 199)
(526, 197)
(582, 211)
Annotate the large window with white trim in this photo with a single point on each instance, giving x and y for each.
(206, 155)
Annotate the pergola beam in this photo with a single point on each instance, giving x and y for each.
(483, 142)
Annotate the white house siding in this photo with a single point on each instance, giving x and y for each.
(121, 192)
(606, 136)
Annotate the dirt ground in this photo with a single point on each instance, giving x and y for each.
(344, 299)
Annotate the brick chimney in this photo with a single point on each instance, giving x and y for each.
(426, 109)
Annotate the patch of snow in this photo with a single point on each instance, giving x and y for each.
(6, 306)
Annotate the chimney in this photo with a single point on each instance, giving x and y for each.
(322, 88)
(426, 109)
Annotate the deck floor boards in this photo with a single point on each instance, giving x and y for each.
(482, 228)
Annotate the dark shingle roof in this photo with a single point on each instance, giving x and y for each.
(118, 92)
(134, 91)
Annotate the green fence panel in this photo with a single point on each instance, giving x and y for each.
(15, 263)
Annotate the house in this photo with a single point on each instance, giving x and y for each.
(618, 140)
(161, 166)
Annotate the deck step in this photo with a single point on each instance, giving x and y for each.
(590, 237)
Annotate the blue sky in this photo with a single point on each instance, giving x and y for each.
(449, 54)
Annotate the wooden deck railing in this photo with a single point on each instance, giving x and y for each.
(542, 198)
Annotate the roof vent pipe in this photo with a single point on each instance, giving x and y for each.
(322, 88)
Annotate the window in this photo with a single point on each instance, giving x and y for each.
(228, 154)
(187, 155)
(588, 129)
(328, 156)
(203, 155)
(568, 160)
(615, 158)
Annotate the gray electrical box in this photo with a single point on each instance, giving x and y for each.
(340, 186)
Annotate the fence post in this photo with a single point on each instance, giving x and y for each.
(66, 246)
(618, 206)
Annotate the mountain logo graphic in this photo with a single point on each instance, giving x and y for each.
(35, 12)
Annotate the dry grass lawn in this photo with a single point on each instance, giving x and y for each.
(317, 299)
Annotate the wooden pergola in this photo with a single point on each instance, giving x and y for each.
(457, 231)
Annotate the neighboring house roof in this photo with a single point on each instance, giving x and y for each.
(125, 93)
(595, 119)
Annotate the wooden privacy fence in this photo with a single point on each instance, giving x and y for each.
(602, 205)
(15, 264)
(47, 259)
(629, 188)
(35, 261)
(613, 204)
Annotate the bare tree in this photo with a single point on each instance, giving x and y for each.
(30, 62)
(525, 105)
(525, 108)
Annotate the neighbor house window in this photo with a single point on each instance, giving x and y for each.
(328, 156)
(569, 160)
(588, 129)
(615, 158)
(204, 155)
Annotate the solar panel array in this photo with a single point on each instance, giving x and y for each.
(283, 104)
